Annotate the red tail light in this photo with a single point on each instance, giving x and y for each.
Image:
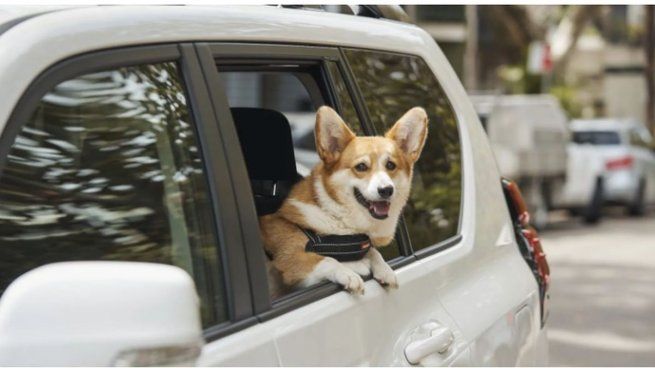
(620, 163)
(529, 242)
(520, 208)
(538, 255)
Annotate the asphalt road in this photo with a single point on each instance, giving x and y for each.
(602, 307)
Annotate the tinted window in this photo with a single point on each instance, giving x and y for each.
(391, 84)
(108, 168)
(597, 138)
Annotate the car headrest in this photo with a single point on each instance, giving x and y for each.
(266, 142)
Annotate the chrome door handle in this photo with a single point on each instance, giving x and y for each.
(439, 341)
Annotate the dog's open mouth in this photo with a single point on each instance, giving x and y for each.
(378, 209)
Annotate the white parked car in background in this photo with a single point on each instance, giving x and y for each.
(139, 145)
(611, 162)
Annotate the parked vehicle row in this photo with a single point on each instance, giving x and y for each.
(581, 166)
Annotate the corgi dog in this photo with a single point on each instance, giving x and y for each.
(360, 187)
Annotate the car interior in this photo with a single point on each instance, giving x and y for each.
(268, 152)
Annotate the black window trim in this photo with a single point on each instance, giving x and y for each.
(212, 54)
(455, 239)
(231, 254)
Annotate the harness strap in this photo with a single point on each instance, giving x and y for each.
(343, 248)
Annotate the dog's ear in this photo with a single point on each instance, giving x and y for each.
(410, 132)
(332, 134)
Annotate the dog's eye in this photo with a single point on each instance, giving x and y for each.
(361, 167)
(390, 165)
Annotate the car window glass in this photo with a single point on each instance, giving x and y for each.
(108, 168)
(596, 137)
(640, 138)
(391, 84)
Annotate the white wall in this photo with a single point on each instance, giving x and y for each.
(625, 95)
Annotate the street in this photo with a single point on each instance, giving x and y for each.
(602, 307)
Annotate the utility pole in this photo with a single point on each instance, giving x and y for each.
(471, 48)
(649, 48)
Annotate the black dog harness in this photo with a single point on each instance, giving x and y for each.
(343, 248)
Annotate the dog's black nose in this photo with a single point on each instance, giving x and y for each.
(385, 192)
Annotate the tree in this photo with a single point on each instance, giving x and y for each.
(580, 16)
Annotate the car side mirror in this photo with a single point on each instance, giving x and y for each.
(100, 314)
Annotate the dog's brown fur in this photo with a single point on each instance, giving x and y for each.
(339, 150)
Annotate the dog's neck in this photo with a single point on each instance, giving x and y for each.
(323, 213)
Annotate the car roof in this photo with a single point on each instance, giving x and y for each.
(604, 124)
(34, 44)
(11, 15)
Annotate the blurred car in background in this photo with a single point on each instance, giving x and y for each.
(528, 135)
(611, 161)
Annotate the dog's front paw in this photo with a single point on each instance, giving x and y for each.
(384, 274)
(350, 281)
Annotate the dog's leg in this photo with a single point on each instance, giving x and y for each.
(308, 269)
(361, 267)
(330, 269)
(382, 272)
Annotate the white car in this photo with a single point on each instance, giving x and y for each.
(611, 162)
(139, 144)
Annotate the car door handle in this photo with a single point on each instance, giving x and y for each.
(439, 341)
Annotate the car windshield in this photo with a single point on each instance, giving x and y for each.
(597, 138)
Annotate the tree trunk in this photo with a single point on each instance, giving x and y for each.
(471, 51)
(649, 48)
(580, 16)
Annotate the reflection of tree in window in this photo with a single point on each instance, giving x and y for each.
(107, 168)
(391, 84)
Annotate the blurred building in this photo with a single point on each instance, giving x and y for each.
(447, 24)
(607, 63)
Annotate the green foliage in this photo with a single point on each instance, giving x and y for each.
(566, 95)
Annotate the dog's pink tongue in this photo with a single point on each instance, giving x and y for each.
(381, 208)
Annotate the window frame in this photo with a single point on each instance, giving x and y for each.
(212, 54)
(234, 276)
(455, 239)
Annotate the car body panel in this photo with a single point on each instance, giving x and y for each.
(479, 287)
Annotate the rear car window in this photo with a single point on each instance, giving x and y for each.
(597, 137)
(391, 84)
(108, 168)
(269, 101)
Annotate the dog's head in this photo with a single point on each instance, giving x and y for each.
(371, 175)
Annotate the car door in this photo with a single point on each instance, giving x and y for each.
(480, 278)
(320, 325)
(109, 155)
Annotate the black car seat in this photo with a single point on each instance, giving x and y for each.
(267, 146)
